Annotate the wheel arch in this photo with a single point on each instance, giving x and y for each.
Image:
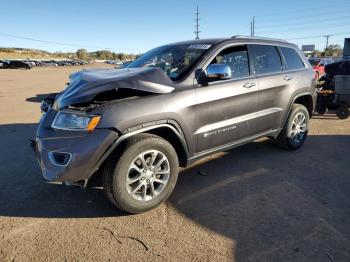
(175, 139)
(167, 129)
(305, 100)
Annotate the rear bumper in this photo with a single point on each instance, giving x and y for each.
(68, 156)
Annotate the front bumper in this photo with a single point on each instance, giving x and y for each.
(69, 156)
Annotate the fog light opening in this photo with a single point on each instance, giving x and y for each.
(60, 158)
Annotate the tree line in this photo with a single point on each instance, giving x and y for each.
(330, 51)
(83, 54)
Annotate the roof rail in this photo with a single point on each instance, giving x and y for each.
(258, 38)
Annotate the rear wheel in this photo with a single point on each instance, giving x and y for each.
(294, 132)
(144, 175)
(343, 112)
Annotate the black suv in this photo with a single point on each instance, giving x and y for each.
(172, 106)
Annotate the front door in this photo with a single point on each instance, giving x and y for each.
(226, 110)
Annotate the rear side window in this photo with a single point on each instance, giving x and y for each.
(292, 58)
(266, 59)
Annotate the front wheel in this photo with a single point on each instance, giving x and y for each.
(144, 175)
(294, 132)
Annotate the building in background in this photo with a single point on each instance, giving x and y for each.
(308, 50)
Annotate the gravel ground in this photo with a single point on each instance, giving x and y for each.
(254, 203)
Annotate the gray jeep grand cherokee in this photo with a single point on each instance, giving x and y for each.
(173, 105)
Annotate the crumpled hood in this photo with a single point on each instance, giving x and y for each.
(86, 84)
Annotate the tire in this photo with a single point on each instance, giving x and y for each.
(285, 139)
(119, 171)
(343, 112)
(321, 109)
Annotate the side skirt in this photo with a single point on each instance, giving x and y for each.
(197, 156)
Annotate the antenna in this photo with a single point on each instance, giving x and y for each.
(196, 32)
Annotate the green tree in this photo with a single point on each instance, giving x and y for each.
(333, 50)
(121, 56)
(82, 54)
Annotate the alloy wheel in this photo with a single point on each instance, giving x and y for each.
(148, 175)
(299, 128)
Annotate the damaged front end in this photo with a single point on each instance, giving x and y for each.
(70, 141)
(93, 85)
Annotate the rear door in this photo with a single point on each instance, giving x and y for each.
(226, 109)
(273, 85)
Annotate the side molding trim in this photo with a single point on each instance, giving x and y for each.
(236, 120)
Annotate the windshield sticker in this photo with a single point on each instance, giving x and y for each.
(199, 46)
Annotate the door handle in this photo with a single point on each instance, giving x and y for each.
(248, 85)
(287, 78)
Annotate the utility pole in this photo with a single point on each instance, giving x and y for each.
(327, 38)
(252, 26)
(196, 32)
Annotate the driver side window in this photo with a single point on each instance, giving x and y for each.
(236, 58)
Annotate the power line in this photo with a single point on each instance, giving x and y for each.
(302, 17)
(304, 11)
(51, 42)
(305, 27)
(316, 36)
(309, 22)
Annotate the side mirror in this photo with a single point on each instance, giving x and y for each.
(218, 72)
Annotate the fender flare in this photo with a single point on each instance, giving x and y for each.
(144, 128)
(291, 104)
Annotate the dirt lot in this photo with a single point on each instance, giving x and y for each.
(254, 203)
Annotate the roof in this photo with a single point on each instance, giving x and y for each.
(238, 38)
(208, 41)
(258, 38)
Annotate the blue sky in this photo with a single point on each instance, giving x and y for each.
(136, 26)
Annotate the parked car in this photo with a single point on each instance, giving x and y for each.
(4, 63)
(16, 64)
(30, 62)
(318, 64)
(50, 63)
(123, 64)
(170, 107)
(38, 63)
(111, 62)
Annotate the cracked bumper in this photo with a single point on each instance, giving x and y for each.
(83, 151)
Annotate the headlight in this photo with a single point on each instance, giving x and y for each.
(75, 122)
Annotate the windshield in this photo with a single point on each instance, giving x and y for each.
(314, 62)
(174, 60)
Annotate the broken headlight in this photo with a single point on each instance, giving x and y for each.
(75, 122)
